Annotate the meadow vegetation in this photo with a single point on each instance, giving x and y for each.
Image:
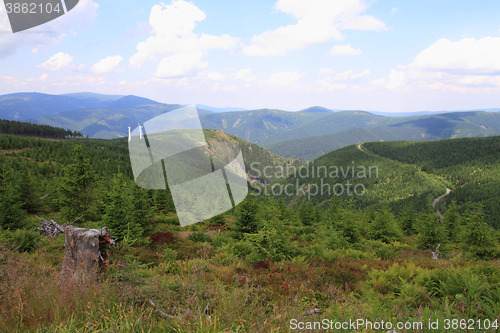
(256, 267)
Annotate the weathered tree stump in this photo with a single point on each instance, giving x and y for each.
(82, 249)
(82, 253)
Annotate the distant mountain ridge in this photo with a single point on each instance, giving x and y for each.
(318, 109)
(130, 101)
(304, 134)
(218, 110)
(425, 128)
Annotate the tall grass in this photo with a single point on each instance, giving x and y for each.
(241, 297)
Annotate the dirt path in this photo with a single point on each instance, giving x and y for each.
(436, 202)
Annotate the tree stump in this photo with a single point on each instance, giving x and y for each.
(82, 252)
(83, 249)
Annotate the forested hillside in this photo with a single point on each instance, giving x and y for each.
(470, 167)
(261, 264)
(28, 129)
(423, 128)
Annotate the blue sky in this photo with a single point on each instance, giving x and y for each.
(286, 54)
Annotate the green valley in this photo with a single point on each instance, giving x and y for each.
(286, 254)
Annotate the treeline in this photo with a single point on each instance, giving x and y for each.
(106, 156)
(432, 155)
(93, 190)
(28, 129)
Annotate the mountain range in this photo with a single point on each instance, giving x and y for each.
(305, 134)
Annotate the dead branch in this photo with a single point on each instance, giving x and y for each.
(206, 308)
(183, 310)
(49, 228)
(435, 254)
(161, 313)
(311, 312)
(46, 195)
(75, 220)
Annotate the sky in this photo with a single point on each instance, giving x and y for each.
(393, 56)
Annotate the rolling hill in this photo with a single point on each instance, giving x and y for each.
(22, 106)
(433, 127)
(470, 166)
(404, 174)
(305, 134)
(106, 123)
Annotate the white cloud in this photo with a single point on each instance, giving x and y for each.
(395, 80)
(107, 64)
(378, 82)
(79, 80)
(467, 56)
(215, 76)
(394, 10)
(51, 33)
(348, 75)
(57, 61)
(364, 73)
(325, 71)
(245, 74)
(178, 49)
(483, 80)
(317, 21)
(340, 50)
(328, 85)
(284, 79)
(343, 76)
(43, 77)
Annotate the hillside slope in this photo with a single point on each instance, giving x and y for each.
(22, 106)
(435, 127)
(470, 166)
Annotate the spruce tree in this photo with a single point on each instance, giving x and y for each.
(385, 227)
(163, 201)
(247, 220)
(431, 231)
(270, 242)
(477, 236)
(28, 189)
(76, 189)
(308, 213)
(408, 221)
(452, 222)
(119, 217)
(11, 213)
(141, 213)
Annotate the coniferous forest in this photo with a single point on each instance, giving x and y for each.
(276, 260)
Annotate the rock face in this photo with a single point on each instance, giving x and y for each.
(83, 252)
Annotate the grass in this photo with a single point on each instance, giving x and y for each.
(242, 297)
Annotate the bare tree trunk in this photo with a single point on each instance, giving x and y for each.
(82, 249)
(82, 254)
